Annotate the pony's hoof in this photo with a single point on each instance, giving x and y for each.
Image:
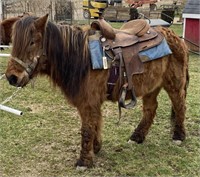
(83, 164)
(179, 135)
(138, 138)
(177, 142)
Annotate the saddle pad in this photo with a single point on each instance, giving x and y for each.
(96, 53)
(156, 52)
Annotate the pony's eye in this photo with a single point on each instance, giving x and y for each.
(32, 43)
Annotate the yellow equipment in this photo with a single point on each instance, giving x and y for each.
(92, 8)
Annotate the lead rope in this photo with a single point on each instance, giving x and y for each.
(13, 94)
(2, 76)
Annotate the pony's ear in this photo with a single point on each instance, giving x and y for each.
(41, 22)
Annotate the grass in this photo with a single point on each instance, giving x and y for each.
(45, 141)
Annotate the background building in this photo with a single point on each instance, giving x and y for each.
(191, 28)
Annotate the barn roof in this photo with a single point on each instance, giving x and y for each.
(192, 7)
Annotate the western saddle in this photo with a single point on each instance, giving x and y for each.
(122, 46)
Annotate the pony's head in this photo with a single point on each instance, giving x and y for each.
(27, 40)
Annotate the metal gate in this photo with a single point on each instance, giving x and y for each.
(63, 11)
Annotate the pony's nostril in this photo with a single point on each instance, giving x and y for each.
(12, 80)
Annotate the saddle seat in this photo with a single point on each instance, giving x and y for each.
(134, 27)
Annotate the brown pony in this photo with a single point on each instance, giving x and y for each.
(6, 29)
(61, 52)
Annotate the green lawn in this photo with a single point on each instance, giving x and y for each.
(45, 141)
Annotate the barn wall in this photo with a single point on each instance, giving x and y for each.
(192, 29)
(192, 34)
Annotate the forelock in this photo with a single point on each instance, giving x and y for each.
(22, 34)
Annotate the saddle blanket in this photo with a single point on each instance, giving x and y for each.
(156, 52)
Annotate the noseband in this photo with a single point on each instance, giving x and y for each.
(29, 68)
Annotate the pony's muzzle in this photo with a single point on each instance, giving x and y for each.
(12, 79)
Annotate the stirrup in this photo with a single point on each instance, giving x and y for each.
(122, 98)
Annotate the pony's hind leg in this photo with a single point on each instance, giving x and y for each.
(177, 90)
(173, 115)
(178, 113)
(150, 105)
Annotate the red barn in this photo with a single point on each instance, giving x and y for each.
(191, 24)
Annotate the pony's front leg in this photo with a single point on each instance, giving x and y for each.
(87, 153)
(90, 134)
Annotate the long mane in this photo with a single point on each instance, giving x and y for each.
(67, 52)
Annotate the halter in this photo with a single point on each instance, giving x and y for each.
(29, 68)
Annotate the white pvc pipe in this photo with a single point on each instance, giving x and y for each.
(5, 46)
(2, 76)
(11, 110)
(4, 55)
